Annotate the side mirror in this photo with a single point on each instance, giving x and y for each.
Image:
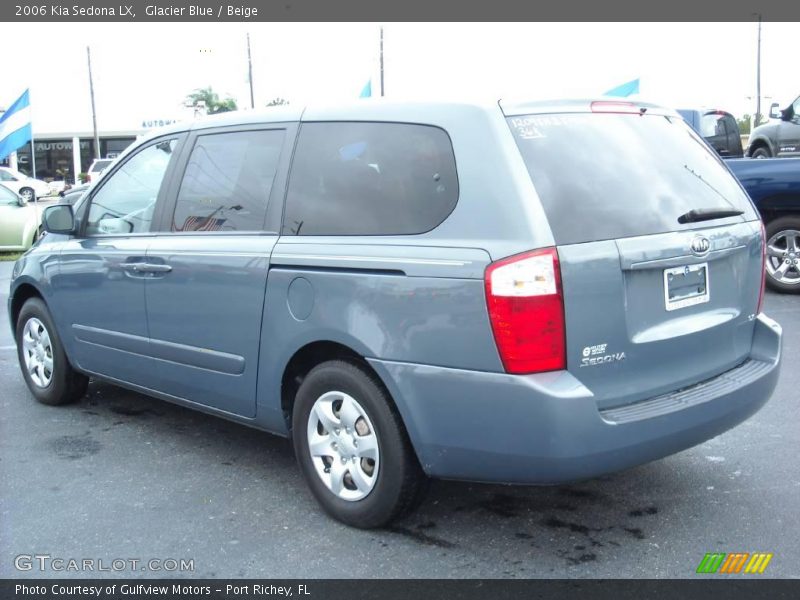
(59, 219)
(21, 201)
(774, 111)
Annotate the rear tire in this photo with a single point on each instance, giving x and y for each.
(783, 254)
(50, 377)
(761, 152)
(356, 408)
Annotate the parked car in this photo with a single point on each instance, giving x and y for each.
(517, 293)
(19, 221)
(718, 128)
(27, 187)
(778, 139)
(97, 167)
(774, 186)
(71, 195)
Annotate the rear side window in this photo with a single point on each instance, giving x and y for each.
(731, 126)
(370, 179)
(607, 176)
(228, 180)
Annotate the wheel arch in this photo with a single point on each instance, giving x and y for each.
(317, 352)
(306, 358)
(775, 207)
(759, 142)
(21, 294)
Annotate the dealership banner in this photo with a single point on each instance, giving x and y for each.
(398, 589)
(408, 10)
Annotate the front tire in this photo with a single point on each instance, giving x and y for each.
(50, 377)
(761, 152)
(783, 254)
(352, 447)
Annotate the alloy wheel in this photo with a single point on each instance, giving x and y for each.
(783, 257)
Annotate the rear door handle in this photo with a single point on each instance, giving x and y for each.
(146, 268)
(131, 266)
(153, 268)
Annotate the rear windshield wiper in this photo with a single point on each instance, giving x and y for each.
(708, 214)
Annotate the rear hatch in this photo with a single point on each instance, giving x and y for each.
(656, 297)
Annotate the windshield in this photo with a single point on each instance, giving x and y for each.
(607, 176)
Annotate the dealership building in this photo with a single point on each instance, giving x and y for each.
(61, 155)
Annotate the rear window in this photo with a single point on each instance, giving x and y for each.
(607, 176)
(712, 124)
(370, 179)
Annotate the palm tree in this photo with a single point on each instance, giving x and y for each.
(211, 100)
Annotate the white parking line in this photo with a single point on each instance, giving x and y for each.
(8, 347)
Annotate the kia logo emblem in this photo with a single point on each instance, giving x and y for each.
(700, 245)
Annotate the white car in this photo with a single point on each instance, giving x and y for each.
(97, 168)
(27, 187)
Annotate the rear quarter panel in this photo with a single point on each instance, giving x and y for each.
(410, 304)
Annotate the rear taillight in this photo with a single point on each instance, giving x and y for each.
(526, 310)
(763, 268)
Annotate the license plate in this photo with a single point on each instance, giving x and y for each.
(686, 286)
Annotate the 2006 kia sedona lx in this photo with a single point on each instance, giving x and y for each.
(518, 293)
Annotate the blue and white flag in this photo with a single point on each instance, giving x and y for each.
(624, 90)
(366, 91)
(15, 126)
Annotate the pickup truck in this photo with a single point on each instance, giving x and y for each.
(774, 186)
(718, 128)
(778, 138)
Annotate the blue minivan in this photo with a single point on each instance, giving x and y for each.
(521, 293)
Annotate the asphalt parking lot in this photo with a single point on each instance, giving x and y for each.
(123, 476)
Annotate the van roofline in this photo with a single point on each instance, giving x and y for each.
(371, 109)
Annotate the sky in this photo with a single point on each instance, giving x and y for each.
(143, 71)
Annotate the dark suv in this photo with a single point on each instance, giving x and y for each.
(517, 293)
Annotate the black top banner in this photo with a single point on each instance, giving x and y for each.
(394, 10)
(397, 589)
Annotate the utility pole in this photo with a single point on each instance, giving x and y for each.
(381, 61)
(250, 72)
(94, 114)
(758, 73)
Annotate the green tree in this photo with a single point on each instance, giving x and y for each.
(744, 124)
(277, 102)
(212, 101)
(746, 121)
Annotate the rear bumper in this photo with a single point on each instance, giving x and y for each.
(547, 428)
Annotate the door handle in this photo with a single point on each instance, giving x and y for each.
(153, 268)
(146, 268)
(131, 267)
